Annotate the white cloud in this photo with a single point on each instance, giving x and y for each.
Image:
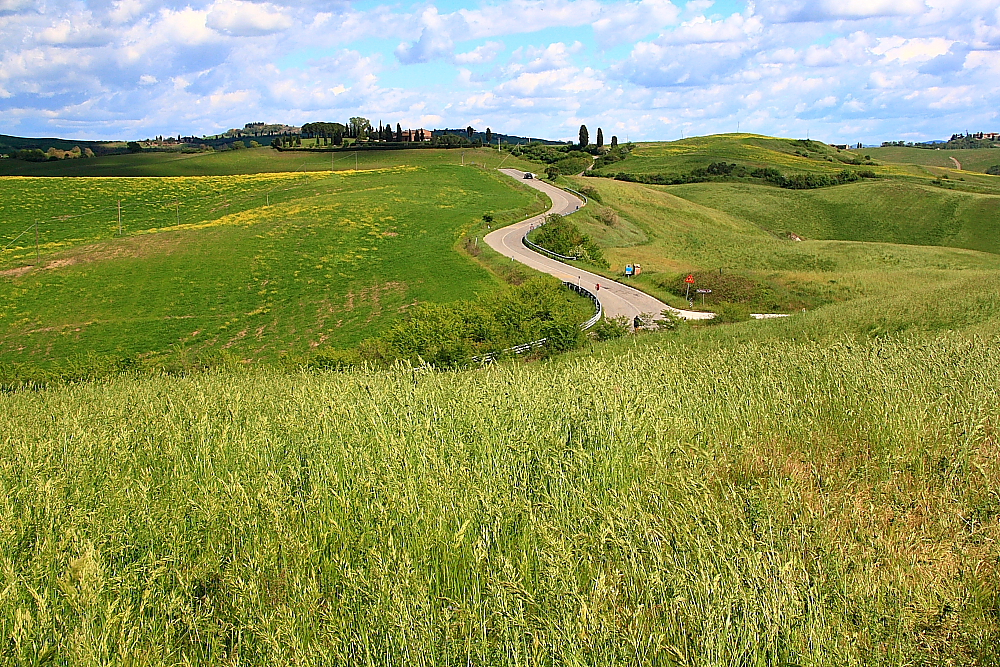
(634, 20)
(117, 67)
(486, 53)
(832, 10)
(244, 19)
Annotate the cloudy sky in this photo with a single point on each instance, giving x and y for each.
(839, 70)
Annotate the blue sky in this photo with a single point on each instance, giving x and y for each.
(839, 70)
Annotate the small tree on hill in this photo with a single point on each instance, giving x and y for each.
(614, 141)
(399, 132)
(469, 131)
(489, 136)
(584, 137)
(600, 138)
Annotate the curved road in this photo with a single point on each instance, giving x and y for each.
(616, 299)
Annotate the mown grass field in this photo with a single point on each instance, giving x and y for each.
(335, 258)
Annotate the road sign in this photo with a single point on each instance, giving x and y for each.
(703, 291)
(690, 279)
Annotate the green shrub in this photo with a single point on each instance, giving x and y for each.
(562, 237)
(608, 328)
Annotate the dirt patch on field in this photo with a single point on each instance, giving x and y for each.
(126, 248)
(16, 272)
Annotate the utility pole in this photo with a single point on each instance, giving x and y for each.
(119, 217)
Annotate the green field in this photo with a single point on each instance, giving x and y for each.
(248, 161)
(976, 159)
(335, 258)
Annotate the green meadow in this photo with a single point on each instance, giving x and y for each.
(259, 267)
(818, 490)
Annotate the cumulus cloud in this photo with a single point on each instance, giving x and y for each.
(634, 20)
(238, 18)
(117, 67)
(832, 10)
(486, 53)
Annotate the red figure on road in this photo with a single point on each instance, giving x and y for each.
(598, 287)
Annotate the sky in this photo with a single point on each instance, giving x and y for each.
(842, 71)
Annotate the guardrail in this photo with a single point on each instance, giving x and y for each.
(586, 200)
(538, 248)
(527, 347)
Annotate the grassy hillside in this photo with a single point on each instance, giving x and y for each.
(978, 159)
(249, 161)
(887, 211)
(787, 155)
(334, 259)
(743, 231)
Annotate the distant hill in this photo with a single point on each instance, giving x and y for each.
(12, 143)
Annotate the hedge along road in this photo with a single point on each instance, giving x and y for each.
(617, 300)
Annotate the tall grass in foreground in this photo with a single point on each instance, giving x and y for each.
(766, 504)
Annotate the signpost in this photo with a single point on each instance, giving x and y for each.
(690, 281)
(703, 292)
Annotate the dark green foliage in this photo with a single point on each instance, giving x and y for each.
(609, 328)
(584, 137)
(600, 138)
(717, 171)
(591, 193)
(561, 236)
(994, 170)
(489, 135)
(30, 155)
(726, 288)
(615, 154)
(447, 335)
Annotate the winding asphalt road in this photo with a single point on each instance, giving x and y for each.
(616, 299)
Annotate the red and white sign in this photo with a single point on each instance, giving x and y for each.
(690, 279)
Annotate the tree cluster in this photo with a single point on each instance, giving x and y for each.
(723, 171)
(561, 236)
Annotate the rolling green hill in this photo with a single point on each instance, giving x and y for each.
(887, 211)
(335, 258)
(787, 155)
(978, 159)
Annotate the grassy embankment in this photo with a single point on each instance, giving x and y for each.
(335, 258)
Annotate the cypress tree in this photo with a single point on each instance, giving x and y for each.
(489, 136)
(584, 137)
(614, 141)
(600, 138)
(399, 132)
